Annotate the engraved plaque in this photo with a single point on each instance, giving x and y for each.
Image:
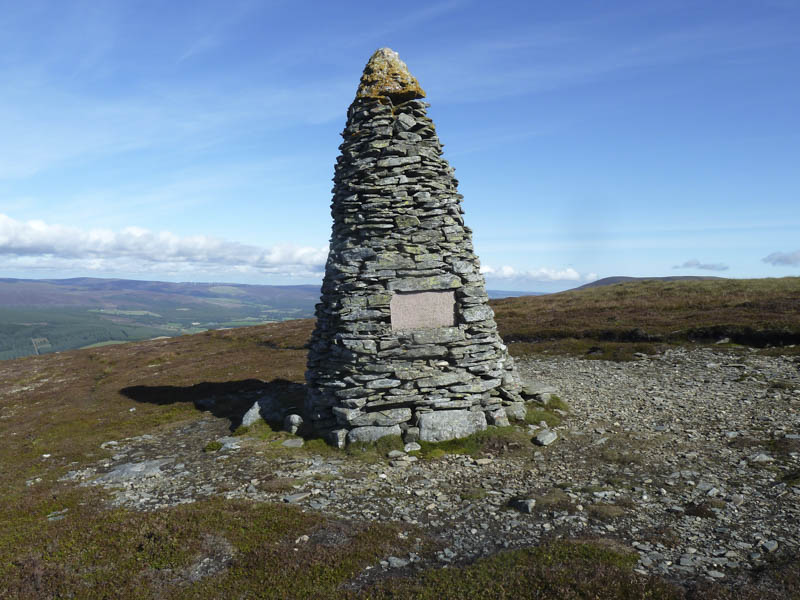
(423, 310)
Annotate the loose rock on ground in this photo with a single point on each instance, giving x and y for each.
(690, 457)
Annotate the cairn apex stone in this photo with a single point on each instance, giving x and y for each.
(387, 76)
(405, 341)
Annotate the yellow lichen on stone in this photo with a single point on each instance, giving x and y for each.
(387, 75)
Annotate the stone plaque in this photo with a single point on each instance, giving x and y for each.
(423, 310)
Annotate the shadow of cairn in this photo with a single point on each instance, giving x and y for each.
(241, 402)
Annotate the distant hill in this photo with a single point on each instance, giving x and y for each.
(49, 315)
(87, 291)
(493, 294)
(623, 279)
(632, 316)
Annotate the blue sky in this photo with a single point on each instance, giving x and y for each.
(195, 141)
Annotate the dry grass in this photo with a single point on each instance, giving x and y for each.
(638, 317)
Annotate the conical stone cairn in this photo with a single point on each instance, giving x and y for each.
(405, 341)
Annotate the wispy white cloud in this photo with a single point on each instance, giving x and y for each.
(547, 56)
(385, 28)
(543, 274)
(76, 90)
(783, 259)
(45, 127)
(696, 264)
(39, 245)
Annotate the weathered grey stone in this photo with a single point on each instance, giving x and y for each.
(406, 221)
(132, 471)
(536, 389)
(477, 386)
(516, 411)
(414, 352)
(439, 426)
(295, 498)
(447, 403)
(419, 284)
(292, 423)
(440, 335)
(379, 299)
(252, 415)
(477, 313)
(442, 380)
(410, 436)
(769, 545)
(382, 384)
(380, 418)
(337, 438)
(497, 417)
(360, 346)
(405, 121)
(545, 437)
(371, 433)
(525, 505)
(396, 161)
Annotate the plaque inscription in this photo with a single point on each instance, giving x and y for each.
(423, 310)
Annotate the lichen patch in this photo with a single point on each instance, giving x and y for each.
(387, 75)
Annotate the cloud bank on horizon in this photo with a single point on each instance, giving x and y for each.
(45, 247)
(508, 273)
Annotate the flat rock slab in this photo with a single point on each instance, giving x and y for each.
(295, 498)
(229, 443)
(371, 434)
(133, 471)
(439, 426)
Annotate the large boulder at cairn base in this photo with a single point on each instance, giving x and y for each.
(450, 424)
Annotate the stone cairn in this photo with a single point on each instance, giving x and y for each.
(405, 341)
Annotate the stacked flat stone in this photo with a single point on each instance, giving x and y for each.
(398, 230)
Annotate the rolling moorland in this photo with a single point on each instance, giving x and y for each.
(41, 316)
(81, 412)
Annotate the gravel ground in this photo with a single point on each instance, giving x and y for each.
(691, 458)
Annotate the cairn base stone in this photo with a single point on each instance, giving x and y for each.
(371, 433)
(516, 411)
(443, 425)
(498, 417)
(337, 438)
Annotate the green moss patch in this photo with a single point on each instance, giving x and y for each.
(537, 415)
(553, 571)
(494, 440)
